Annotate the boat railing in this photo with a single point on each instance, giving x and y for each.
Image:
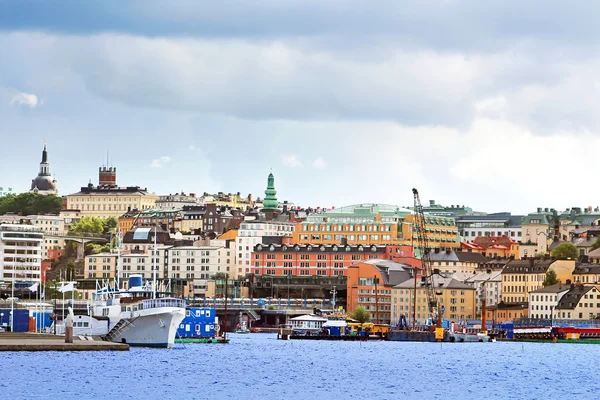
(158, 303)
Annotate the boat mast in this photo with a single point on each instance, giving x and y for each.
(154, 267)
(118, 272)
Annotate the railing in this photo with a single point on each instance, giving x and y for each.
(261, 304)
(157, 303)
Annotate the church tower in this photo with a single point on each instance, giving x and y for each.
(44, 183)
(270, 203)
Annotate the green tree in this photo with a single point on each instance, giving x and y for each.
(565, 250)
(361, 315)
(596, 244)
(551, 278)
(110, 225)
(88, 226)
(30, 203)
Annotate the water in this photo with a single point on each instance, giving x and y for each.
(259, 366)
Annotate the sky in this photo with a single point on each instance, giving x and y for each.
(492, 105)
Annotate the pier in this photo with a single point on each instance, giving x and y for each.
(39, 342)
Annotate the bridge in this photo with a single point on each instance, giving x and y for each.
(81, 240)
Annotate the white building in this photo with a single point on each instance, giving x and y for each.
(176, 201)
(53, 227)
(489, 285)
(543, 302)
(20, 253)
(252, 233)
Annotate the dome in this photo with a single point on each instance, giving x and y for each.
(43, 183)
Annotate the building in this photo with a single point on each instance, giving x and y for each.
(493, 246)
(251, 233)
(373, 224)
(588, 273)
(52, 226)
(448, 261)
(44, 183)
(70, 218)
(176, 201)
(581, 302)
(233, 200)
(370, 285)
(521, 277)
(456, 298)
(543, 302)
(324, 260)
(107, 201)
(165, 219)
(488, 285)
(495, 224)
(21, 253)
(446, 211)
(100, 266)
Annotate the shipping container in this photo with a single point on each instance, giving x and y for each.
(20, 320)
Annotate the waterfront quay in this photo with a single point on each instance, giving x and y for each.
(39, 342)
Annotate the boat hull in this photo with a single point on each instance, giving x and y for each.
(153, 329)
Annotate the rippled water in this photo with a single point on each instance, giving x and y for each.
(258, 366)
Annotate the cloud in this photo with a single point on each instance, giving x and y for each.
(192, 147)
(160, 162)
(319, 163)
(291, 161)
(24, 99)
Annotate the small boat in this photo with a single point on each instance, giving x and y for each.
(242, 327)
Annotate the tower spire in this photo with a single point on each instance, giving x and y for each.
(270, 203)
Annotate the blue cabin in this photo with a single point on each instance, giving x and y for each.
(198, 323)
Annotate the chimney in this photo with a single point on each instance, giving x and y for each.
(448, 251)
(437, 250)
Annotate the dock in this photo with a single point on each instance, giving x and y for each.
(41, 342)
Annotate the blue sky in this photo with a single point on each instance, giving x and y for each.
(488, 104)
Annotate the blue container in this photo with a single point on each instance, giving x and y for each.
(20, 320)
(42, 318)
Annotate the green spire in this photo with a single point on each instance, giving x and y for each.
(270, 202)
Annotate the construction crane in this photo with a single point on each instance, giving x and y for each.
(422, 245)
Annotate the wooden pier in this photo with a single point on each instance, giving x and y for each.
(41, 342)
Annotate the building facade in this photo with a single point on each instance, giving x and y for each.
(176, 201)
(323, 260)
(543, 302)
(488, 286)
(373, 224)
(370, 285)
(106, 201)
(21, 253)
(456, 298)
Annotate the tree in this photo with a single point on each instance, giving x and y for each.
(88, 226)
(551, 278)
(110, 225)
(30, 203)
(596, 244)
(361, 315)
(565, 250)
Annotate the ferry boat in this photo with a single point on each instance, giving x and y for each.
(137, 317)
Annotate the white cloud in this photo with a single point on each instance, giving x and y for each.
(319, 163)
(192, 147)
(291, 161)
(160, 162)
(24, 99)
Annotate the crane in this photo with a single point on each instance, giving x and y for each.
(419, 227)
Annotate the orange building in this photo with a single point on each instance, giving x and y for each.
(370, 286)
(373, 224)
(493, 246)
(323, 260)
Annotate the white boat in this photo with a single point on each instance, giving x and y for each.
(136, 317)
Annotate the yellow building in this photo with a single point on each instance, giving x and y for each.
(108, 201)
(456, 298)
(521, 277)
(373, 224)
(234, 200)
(100, 266)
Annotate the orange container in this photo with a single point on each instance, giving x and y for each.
(31, 324)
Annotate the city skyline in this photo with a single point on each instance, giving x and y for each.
(494, 115)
